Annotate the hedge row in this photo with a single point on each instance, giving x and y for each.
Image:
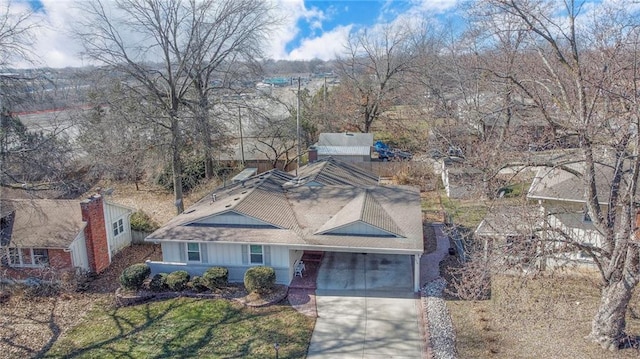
(134, 276)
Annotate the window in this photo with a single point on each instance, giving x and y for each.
(256, 254)
(118, 227)
(40, 257)
(14, 256)
(193, 252)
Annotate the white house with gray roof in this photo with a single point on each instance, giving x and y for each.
(559, 220)
(272, 218)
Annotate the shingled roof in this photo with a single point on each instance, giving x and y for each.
(312, 210)
(566, 183)
(44, 223)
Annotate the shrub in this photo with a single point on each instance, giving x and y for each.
(177, 281)
(133, 276)
(216, 277)
(197, 284)
(159, 282)
(260, 279)
(140, 221)
(40, 289)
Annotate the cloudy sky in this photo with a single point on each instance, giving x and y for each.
(313, 28)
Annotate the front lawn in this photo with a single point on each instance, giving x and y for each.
(187, 327)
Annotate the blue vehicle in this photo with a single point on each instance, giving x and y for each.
(386, 153)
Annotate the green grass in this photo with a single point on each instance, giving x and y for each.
(467, 213)
(187, 328)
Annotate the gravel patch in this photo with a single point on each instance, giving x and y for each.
(442, 336)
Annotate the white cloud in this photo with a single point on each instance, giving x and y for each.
(436, 6)
(56, 48)
(324, 47)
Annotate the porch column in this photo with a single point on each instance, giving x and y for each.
(416, 272)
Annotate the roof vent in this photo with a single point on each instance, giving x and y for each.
(190, 211)
(237, 198)
(227, 206)
(243, 192)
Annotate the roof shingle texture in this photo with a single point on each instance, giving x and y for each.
(44, 223)
(327, 194)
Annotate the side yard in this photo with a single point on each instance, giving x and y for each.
(541, 317)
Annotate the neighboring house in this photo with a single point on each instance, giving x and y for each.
(512, 232)
(273, 218)
(38, 235)
(346, 146)
(560, 196)
(559, 217)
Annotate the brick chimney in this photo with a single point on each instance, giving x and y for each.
(95, 233)
(313, 154)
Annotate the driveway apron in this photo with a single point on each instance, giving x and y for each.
(366, 308)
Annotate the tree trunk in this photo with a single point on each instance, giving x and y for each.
(608, 325)
(176, 166)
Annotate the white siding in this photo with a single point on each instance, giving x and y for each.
(224, 254)
(171, 251)
(359, 228)
(78, 250)
(113, 213)
(279, 256)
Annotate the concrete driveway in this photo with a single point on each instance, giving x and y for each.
(366, 308)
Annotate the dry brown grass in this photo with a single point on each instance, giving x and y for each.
(155, 200)
(540, 317)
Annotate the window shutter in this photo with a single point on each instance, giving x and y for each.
(245, 254)
(182, 249)
(204, 256)
(267, 255)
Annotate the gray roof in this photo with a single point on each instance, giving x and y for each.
(333, 173)
(303, 211)
(565, 183)
(510, 221)
(44, 223)
(345, 139)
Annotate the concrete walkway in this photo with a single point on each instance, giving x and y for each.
(430, 263)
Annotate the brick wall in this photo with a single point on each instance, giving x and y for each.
(95, 233)
(59, 259)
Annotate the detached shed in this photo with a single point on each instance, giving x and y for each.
(346, 146)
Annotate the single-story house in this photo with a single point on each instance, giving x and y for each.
(557, 216)
(345, 146)
(273, 218)
(40, 235)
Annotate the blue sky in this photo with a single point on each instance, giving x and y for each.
(312, 28)
(356, 13)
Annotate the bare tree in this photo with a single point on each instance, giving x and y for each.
(229, 36)
(372, 71)
(16, 34)
(168, 48)
(583, 82)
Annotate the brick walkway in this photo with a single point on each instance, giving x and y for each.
(302, 290)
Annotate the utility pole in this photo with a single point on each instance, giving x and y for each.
(298, 127)
(241, 140)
